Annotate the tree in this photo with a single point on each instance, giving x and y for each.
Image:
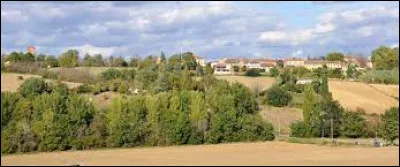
(163, 58)
(69, 58)
(385, 58)
(236, 68)
(389, 128)
(299, 129)
(134, 62)
(352, 124)
(335, 56)
(208, 69)
(252, 73)
(351, 71)
(308, 104)
(243, 69)
(87, 60)
(277, 97)
(120, 62)
(51, 61)
(279, 63)
(274, 72)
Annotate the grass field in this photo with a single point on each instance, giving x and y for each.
(10, 81)
(251, 82)
(355, 94)
(258, 153)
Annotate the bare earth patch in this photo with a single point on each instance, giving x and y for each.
(354, 94)
(261, 153)
(391, 90)
(10, 81)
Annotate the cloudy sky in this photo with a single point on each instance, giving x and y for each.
(210, 29)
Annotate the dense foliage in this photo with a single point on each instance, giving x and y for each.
(187, 112)
(389, 128)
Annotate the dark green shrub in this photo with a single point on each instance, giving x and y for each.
(32, 87)
(278, 97)
(252, 73)
(299, 129)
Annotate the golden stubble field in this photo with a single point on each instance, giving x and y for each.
(354, 94)
(374, 98)
(258, 153)
(10, 81)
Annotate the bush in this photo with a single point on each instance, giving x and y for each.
(110, 74)
(352, 125)
(24, 67)
(299, 129)
(278, 97)
(389, 128)
(124, 87)
(32, 87)
(274, 72)
(76, 75)
(48, 74)
(252, 73)
(381, 76)
(20, 77)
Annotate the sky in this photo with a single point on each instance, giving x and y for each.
(274, 29)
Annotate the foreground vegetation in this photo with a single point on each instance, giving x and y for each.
(178, 110)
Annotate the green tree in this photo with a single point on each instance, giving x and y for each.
(385, 58)
(389, 128)
(352, 124)
(208, 69)
(252, 73)
(51, 61)
(277, 97)
(279, 63)
(335, 56)
(69, 58)
(163, 58)
(308, 104)
(274, 72)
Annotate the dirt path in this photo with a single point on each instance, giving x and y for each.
(263, 153)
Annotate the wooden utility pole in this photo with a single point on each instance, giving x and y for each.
(332, 129)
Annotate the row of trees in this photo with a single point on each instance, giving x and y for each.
(47, 117)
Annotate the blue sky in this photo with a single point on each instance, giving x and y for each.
(210, 29)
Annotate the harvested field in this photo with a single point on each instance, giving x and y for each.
(251, 82)
(261, 153)
(282, 117)
(390, 90)
(93, 70)
(10, 81)
(355, 94)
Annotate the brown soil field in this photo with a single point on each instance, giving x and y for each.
(258, 153)
(354, 94)
(281, 117)
(10, 81)
(251, 82)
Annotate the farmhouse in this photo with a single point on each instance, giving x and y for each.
(304, 81)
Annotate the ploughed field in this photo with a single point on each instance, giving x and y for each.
(259, 153)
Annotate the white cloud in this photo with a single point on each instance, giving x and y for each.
(297, 53)
(91, 50)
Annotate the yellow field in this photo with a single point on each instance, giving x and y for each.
(390, 90)
(281, 117)
(93, 70)
(10, 81)
(355, 94)
(258, 153)
(251, 82)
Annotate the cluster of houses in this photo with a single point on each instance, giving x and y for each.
(225, 66)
